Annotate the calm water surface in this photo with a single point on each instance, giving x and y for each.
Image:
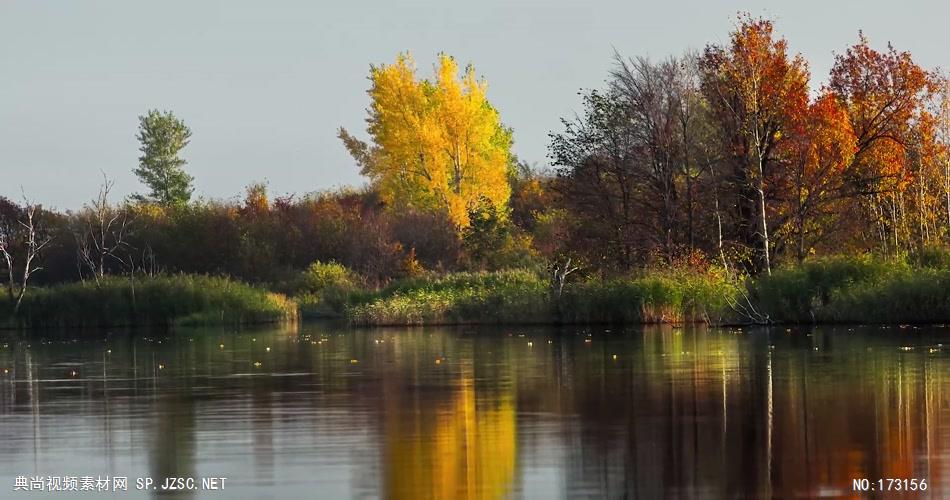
(326, 412)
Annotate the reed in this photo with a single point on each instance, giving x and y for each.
(167, 300)
(865, 289)
(522, 296)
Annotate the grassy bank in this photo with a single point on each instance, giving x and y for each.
(655, 297)
(163, 300)
(521, 296)
(515, 296)
(830, 290)
(858, 290)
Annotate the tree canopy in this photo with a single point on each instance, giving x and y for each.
(436, 144)
(162, 137)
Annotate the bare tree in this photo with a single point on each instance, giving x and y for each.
(653, 101)
(101, 235)
(22, 234)
(559, 276)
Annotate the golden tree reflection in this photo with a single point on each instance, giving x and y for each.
(459, 445)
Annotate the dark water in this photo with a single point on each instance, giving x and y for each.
(322, 412)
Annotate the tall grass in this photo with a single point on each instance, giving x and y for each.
(836, 289)
(514, 296)
(655, 297)
(863, 289)
(163, 300)
(521, 296)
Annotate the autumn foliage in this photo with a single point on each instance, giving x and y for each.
(727, 160)
(762, 168)
(438, 145)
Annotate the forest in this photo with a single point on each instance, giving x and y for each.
(718, 185)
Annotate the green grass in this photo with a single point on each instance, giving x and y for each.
(520, 296)
(829, 290)
(655, 297)
(835, 289)
(513, 297)
(163, 300)
(858, 290)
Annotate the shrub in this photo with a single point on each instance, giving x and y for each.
(323, 288)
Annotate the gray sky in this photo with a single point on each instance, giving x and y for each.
(264, 85)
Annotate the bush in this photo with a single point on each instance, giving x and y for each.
(323, 288)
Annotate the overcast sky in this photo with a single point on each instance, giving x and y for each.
(264, 85)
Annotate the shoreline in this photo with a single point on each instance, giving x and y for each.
(830, 291)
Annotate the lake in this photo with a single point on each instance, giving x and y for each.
(321, 411)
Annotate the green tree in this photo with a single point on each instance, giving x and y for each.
(162, 137)
(486, 231)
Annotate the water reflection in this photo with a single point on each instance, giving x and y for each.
(487, 413)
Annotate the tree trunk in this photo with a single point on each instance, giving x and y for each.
(722, 253)
(458, 171)
(689, 209)
(947, 189)
(19, 300)
(765, 226)
(10, 275)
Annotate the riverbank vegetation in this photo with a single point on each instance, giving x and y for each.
(174, 300)
(839, 289)
(858, 290)
(716, 186)
(524, 297)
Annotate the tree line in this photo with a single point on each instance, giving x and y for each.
(730, 153)
(724, 157)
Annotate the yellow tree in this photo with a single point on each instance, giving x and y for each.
(436, 145)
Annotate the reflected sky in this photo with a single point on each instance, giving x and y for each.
(324, 411)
